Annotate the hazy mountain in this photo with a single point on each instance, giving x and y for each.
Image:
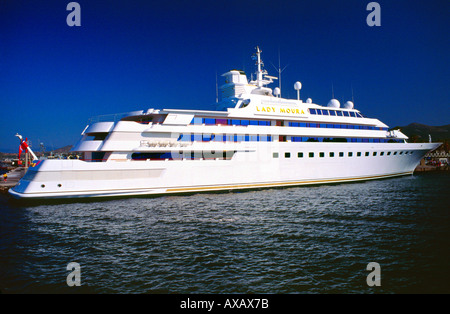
(420, 132)
(63, 150)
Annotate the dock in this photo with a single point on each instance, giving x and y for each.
(13, 178)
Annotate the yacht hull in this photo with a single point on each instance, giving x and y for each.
(255, 166)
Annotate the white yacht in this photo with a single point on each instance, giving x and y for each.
(254, 139)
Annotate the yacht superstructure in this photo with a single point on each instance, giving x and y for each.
(255, 139)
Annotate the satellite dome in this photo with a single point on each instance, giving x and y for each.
(298, 86)
(348, 105)
(334, 103)
(276, 91)
(309, 101)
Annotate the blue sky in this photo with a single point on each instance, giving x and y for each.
(132, 55)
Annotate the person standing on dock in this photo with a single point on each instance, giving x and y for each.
(5, 176)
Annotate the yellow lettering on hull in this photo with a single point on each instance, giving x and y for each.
(281, 110)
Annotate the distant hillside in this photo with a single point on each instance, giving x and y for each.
(63, 150)
(420, 133)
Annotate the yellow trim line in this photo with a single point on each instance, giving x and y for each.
(260, 185)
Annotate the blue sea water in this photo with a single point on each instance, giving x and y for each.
(315, 239)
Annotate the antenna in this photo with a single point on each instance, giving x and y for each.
(332, 91)
(353, 100)
(279, 70)
(217, 91)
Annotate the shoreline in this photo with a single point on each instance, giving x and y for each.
(14, 176)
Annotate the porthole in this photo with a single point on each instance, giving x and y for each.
(42, 185)
(59, 185)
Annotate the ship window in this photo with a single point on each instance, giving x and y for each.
(341, 154)
(196, 121)
(208, 137)
(238, 138)
(350, 154)
(319, 112)
(325, 112)
(236, 122)
(287, 155)
(388, 153)
(209, 121)
(98, 156)
(345, 113)
(358, 154)
(321, 154)
(222, 121)
(332, 112)
(253, 122)
(196, 137)
(374, 153)
(100, 136)
(151, 156)
(352, 114)
(359, 115)
(245, 122)
(275, 155)
(400, 153)
(331, 154)
(395, 153)
(300, 155)
(311, 154)
(312, 111)
(339, 113)
(264, 122)
(367, 154)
